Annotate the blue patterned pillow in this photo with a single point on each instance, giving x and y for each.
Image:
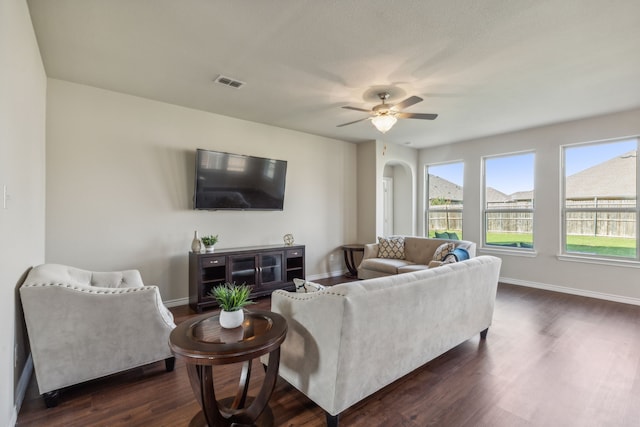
(458, 254)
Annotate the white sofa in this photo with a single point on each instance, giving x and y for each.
(350, 340)
(84, 325)
(418, 253)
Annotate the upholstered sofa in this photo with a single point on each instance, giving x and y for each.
(84, 325)
(418, 254)
(348, 341)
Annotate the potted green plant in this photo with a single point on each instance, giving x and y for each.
(209, 241)
(232, 299)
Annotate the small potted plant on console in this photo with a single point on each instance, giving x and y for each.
(209, 242)
(232, 299)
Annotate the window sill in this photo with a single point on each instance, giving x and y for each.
(602, 261)
(528, 253)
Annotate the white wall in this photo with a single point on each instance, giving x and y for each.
(120, 172)
(375, 159)
(403, 161)
(544, 270)
(22, 171)
(367, 191)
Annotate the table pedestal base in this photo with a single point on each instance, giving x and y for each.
(349, 259)
(264, 420)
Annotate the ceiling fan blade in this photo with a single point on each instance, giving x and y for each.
(357, 109)
(407, 103)
(355, 121)
(417, 116)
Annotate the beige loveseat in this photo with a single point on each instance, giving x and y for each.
(84, 325)
(418, 255)
(348, 341)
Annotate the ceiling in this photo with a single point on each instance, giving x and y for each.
(485, 67)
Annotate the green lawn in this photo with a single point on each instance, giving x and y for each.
(610, 246)
(607, 246)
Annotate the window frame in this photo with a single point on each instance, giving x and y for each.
(427, 204)
(524, 251)
(564, 254)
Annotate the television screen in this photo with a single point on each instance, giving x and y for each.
(234, 181)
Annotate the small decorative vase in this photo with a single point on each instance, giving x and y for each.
(209, 249)
(196, 246)
(231, 319)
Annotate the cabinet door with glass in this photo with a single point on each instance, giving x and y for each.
(270, 268)
(258, 270)
(243, 269)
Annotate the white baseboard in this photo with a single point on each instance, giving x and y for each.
(572, 291)
(185, 301)
(176, 302)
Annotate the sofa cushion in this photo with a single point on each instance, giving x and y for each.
(412, 267)
(443, 250)
(391, 247)
(384, 265)
(305, 286)
(420, 250)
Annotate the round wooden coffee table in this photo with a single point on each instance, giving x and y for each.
(202, 343)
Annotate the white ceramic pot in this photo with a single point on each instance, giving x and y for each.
(231, 319)
(209, 249)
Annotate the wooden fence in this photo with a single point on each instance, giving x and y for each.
(593, 221)
(445, 218)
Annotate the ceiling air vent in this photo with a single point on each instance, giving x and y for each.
(228, 81)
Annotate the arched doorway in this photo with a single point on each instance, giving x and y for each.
(398, 199)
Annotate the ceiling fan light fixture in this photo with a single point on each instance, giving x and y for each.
(384, 122)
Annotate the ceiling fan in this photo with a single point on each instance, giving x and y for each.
(384, 116)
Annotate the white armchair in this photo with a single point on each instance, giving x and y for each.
(84, 325)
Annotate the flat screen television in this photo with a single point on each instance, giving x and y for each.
(238, 182)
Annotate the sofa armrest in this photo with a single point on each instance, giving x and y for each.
(315, 322)
(81, 332)
(370, 251)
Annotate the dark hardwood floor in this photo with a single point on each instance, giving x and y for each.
(550, 359)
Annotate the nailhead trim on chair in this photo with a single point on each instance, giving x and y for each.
(309, 295)
(166, 314)
(94, 291)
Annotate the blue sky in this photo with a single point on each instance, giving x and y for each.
(585, 156)
(515, 173)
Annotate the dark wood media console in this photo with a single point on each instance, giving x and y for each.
(266, 268)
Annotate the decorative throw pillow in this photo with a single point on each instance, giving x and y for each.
(449, 259)
(391, 247)
(443, 250)
(447, 235)
(303, 286)
(458, 254)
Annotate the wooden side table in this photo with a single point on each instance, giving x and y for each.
(349, 259)
(202, 343)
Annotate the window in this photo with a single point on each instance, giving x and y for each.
(508, 201)
(443, 216)
(600, 211)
